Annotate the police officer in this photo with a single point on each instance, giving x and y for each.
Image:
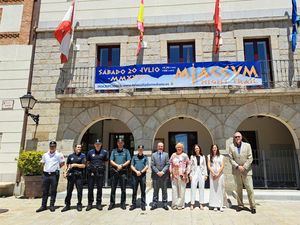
(52, 161)
(74, 173)
(139, 166)
(119, 160)
(96, 159)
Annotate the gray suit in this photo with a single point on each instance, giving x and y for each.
(243, 158)
(160, 163)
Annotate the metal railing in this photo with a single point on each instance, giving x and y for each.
(275, 74)
(277, 168)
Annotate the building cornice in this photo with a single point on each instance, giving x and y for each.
(160, 25)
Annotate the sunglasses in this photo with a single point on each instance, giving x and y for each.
(237, 136)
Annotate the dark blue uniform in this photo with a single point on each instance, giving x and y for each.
(75, 177)
(96, 173)
(120, 157)
(139, 162)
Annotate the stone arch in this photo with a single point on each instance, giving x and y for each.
(281, 112)
(79, 125)
(182, 109)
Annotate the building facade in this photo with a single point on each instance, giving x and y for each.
(71, 111)
(16, 21)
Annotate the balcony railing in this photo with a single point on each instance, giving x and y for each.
(284, 74)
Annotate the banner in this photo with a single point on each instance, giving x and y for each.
(179, 75)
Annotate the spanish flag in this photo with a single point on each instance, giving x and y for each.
(140, 26)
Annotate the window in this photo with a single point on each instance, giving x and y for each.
(181, 52)
(258, 50)
(108, 56)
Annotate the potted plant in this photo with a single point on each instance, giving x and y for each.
(31, 168)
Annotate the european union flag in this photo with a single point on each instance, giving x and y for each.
(295, 22)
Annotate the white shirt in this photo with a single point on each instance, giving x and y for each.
(52, 161)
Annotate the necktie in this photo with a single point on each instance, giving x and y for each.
(160, 157)
(239, 149)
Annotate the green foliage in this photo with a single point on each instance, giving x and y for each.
(29, 163)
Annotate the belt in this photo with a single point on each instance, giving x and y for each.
(49, 173)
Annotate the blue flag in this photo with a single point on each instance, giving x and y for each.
(295, 22)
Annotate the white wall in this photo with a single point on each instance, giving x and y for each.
(14, 72)
(11, 18)
(124, 12)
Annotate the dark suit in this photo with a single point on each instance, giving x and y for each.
(160, 163)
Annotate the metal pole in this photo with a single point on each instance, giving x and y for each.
(265, 169)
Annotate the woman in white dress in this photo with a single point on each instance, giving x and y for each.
(198, 175)
(215, 163)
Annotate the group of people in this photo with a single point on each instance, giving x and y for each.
(179, 168)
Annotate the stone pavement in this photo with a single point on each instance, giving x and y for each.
(273, 212)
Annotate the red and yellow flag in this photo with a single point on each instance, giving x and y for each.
(218, 27)
(140, 26)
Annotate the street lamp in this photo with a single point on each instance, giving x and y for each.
(28, 102)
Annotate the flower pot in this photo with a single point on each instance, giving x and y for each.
(33, 186)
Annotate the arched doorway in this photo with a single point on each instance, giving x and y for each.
(108, 130)
(275, 163)
(186, 130)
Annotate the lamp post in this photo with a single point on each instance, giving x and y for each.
(28, 102)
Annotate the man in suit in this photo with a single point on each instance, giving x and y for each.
(160, 175)
(240, 154)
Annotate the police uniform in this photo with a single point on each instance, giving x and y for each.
(75, 177)
(119, 156)
(52, 162)
(96, 172)
(139, 162)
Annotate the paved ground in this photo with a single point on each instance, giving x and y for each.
(271, 212)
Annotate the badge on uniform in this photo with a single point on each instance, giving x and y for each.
(93, 155)
(72, 159)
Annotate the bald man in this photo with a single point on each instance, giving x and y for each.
(240, 154)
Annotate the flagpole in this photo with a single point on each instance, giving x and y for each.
(73, 21)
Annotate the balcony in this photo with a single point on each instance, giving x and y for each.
(279, 77)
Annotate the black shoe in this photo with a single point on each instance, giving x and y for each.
(253, 211)
(89, 207)
(41, 209)
(143, 208)
(66, 208)
(238, 209)
(99, 207)
(111, 206)
(79, 207)
(52, 208)
(166, 207)
(123, 206)
(153, 207)
(132, 207)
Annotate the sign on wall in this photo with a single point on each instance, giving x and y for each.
(7, 104)
(179, 75)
